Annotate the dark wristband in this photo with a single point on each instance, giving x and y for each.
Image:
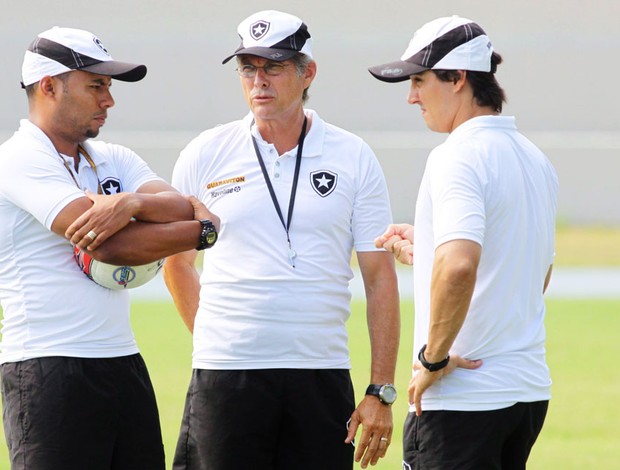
(432, 366)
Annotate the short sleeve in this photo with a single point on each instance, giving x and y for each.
(32, 181)
(371, 210)
(456, 185)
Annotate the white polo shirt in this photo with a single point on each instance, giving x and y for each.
(257, 311)
(50, 307)
(489, 184)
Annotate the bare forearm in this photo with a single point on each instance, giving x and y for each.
(383, 313)
(141, 243)
(183, 283)
(162, 207)
(384, 329)
(452, 287)
(450, 300)
(547, 279)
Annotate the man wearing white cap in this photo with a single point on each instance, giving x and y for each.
(483, 251)
(271, 387)
(76, 393)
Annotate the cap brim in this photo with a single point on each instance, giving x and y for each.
(277, 55)
(397, 71)
(118, 70)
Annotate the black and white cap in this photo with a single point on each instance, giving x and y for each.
(273, 35)
(59, 50)
(449, 43)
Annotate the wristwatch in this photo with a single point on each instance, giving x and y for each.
(432, 366)
(386, 392)
(208, 235)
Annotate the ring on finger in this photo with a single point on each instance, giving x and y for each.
(92, 235)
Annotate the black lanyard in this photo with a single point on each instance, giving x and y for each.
(300, 145)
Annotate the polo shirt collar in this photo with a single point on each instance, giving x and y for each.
(313, 144)
(495, 122)
(30, 130)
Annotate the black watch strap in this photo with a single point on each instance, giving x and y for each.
(432, 366)
(386, 393)
(208, 235)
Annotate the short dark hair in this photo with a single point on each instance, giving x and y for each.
(32, 87)
(485, 86)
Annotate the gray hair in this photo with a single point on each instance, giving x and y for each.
(301, 61)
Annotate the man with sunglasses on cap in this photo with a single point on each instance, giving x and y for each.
(76, 392)
(271, 387)
(482, 257)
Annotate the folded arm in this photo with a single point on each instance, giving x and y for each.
(133, 228)
(104, 215)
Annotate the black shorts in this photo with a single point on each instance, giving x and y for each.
(473, 440)
(274, 419)
(75, 414)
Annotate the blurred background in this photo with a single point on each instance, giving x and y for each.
(560, 63)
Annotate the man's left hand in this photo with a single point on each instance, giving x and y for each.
(422, 378)
(108, 215)
(376, 420)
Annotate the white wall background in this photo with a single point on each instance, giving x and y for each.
(560, 72)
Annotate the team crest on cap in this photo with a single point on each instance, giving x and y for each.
(323, 182)
(259, 29)
(111, 186)
(97, 41)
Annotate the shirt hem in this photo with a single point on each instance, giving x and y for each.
(26, 355)
(268, 365)
(486, 406)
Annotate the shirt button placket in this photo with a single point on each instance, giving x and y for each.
(277, 170)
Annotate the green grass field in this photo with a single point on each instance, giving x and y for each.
(579, 246)
(581, 431)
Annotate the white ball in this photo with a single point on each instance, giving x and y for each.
(116, 277)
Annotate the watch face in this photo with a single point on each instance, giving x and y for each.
(388, 394)
(211, 237)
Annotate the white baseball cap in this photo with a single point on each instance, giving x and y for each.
(448, 43)
(273, 35)
(59, 50)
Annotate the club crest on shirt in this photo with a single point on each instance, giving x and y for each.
(111, 186)
(323, 182)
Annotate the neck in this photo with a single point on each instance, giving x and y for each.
(62, 144)
(471, 113)
(283, 134)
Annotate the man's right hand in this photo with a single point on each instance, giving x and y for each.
(398, 239)
(201, 212)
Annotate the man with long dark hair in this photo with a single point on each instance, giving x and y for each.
(483, 251)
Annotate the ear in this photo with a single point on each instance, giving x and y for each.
(310, 73)
(47, 85)
(461, 82)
